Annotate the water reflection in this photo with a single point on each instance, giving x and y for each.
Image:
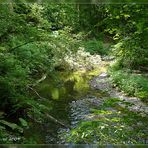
(65, 84)
(61, 88)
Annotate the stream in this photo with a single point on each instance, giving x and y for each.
(63, 89)
(71, 96)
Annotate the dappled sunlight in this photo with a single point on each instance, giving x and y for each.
(108, 124)
(73, 73)
(82, 60)
(55, 93)
(67, 83)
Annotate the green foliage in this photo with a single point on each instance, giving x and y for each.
(62, 15)
(13, 126)
(96, 47)
(64, 42)
(28, 50)
(36, 38)
(128, 25)
(22, 59)
(110, 126)
(132, 84)
(23, 122)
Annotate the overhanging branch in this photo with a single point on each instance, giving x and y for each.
(21, 45)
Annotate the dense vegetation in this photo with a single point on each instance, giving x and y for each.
(38, 39)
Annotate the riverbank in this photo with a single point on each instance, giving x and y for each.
(91, 107)
(112, 117)
(103, 82)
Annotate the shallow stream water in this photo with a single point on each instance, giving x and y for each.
(63, 89)
(71, 97)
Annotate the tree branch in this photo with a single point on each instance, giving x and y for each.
(57, 121)
(49, 116)
(21, 45)
(36, 93)
(40, 80)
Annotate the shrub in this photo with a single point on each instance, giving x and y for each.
(130, 83)
(95, 47)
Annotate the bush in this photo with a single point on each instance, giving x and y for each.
(95, 47)
(130, 83)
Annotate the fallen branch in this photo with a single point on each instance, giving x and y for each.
(40, 80)
(49, 116)
(57, 121)
(144, 68)
(36, 93)
(52, 119)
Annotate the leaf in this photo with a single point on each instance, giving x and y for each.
(126, 15)
(13, 126)
(2, 128)
(23, 122)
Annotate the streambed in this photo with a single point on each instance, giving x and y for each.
(72, 95)
(62, 89)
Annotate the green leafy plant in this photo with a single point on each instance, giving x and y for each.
(131, 84)
(96, 47)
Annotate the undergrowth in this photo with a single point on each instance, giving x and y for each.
(95, 47)
(131, 83)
